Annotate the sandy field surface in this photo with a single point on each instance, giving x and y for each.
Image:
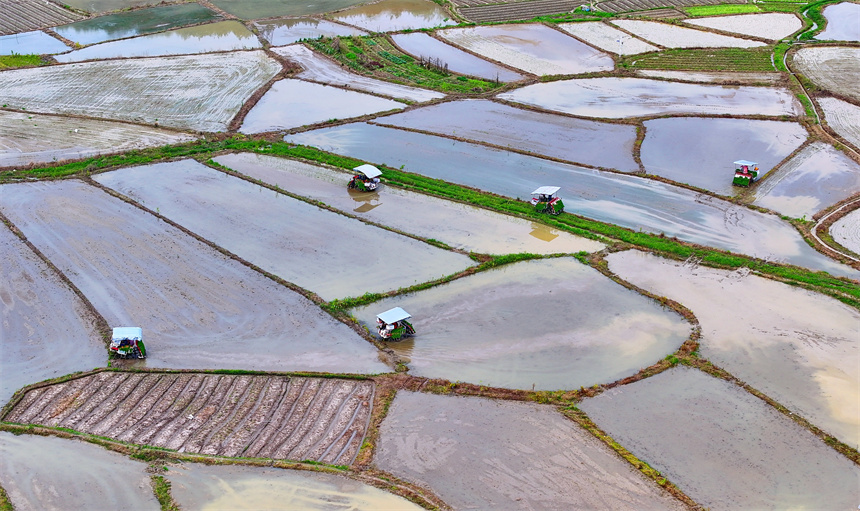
(228, 488)
(290, 30)
(607, 38)
(321, 69)
(834, 68)
(24, 15)
(672, 36)
(46, 331)
(796, 346)
(482, 454)
(458, 225)
(769, 25)
(225, 415)
(843, 117)
(395, 15)
(325, 252)
(712, 77)
(47, 473)
(423, 45)
(846, 231)
(691, 426)
(36, 138)
(843, 22)
(198, 308)
(200, 92)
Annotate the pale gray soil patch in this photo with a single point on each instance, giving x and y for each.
(607, 38)
(796, 346)
(45, 329)
(198, 486)
(200, 92)
(843, 117)
(672, 36)
(459, 225)
(724, 447)
(294, 103)
(328, 253)
(634, 97)
(421, 45)
(633, 5)
(198, 308)
(320, 69)
(290, 30)
(30, 43)
(48, 473)
(843, 22)
(834, 68)
(477, 453)
(846, 231)
(25, 15)
(259, 9)
(35, 138)
(492, 11)
(549, 324)
(817, 177)
(225, 415)
(575, 140)
(701, 152)
(769, 25)
(393, 15)
(712, 77)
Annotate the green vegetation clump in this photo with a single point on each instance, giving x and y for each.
(577, 15)
(709, 59)
(714, 10)
(161, 487)
(15, 60)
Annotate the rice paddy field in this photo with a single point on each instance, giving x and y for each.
(667, 340)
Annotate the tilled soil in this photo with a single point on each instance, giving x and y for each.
(24, 15)
(226, 415)
(834, 68)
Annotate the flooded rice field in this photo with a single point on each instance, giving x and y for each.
(693, 150)
(834, 68)
(846, 231)
(290, 30)
(47, 473)
(259, 9)
(607, 38)
(629, 201)
(47, 331)
(294, 103)
(691, 426)
(275, 417)
(478, 453)
(231, 487)
(394, 15)
(672, 36)
(575, 140)
(843, 117)
(200, 92)
(770, 25)
(26, 15)
(282, 235)
(320, 69)
(535, 49)
(796, 346)
(843, 22)
(223, 36)
(458, 225)
(713, 77)
(39, 139)
(620, 98)
(98, 6)
(31, 43)
(816, 178)
(192, 302)
(135, 23)
(422, 45)
(548, 324)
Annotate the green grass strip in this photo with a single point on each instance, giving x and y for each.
(161, 487)
(12, 61)
(5, 503)
(714, 10)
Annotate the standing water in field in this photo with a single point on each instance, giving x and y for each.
(394, 15)
(422, 45)
(290, 30)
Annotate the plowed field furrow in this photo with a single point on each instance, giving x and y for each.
(270, 424)
(105, 406)
(304, 423)
(60, 405)
(156, 394)
(637, 5)
(517, 10)
(251, 399)
(136, 396)
(164, 412)
(195, 416)
(220, 415)
(24, 406)
(316, 429)
(45, 398)
(246, 430)
(99, 387)
(26, 15)
(343, 449)
(338, 422)
(287, 423)
(184, 408)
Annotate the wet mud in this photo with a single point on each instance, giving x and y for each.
(834, 68)
(422, 45)
(26, 15)
(846, 231)
(394, 15)
(769, 25)
(713, 76)
(672, 36)
(843, 118)
(607, 38)
(290, 30)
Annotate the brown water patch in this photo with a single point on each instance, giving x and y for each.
(394, 15)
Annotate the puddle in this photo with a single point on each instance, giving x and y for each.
(47, 331)
(712, 76)
(423, 45)
(796, 346)
(288, 31)
(576, 140)
(323, 70)
(394, 15)
(259, 9)
(536, 49)
(552, 324)
(701, 152)
(134, 23)
(210, 488)
(690, 426)
(846, 231)
(672, 36)
(843, 117)
(629, 201)
(30, 43)
(327, 253)
(770, 25)
(45, 472)
(223, 36)
(816, 178)
(620, 98)
(198, 308)
(607, 38)
(458, 225)
(204, 92)
(843, 22)
(478, 453)
(833, 68)
(294, 103)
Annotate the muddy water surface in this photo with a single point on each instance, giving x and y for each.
(393, 15)
(198, 309)
(290, 30)
(422, 45)
(97, 6)
(576, 140)
(843, 22)
(210, 488)
(478, 453)
(551, 324)
(31, 43)
(691, 426)
(796, 346)
(458, 225)
(700, 152)
(629, 201)
(48, 473)
(325, 252)
(259, 9)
